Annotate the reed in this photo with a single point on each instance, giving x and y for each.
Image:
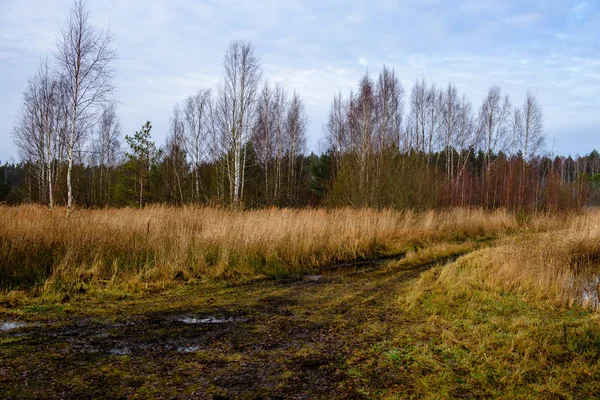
(560, 267)
(160, 243)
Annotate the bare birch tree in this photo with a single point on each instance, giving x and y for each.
(37, 133)
(48, 107)
(108, 147)
(262, 136)
(296, 122)
(85, 56)
(196, 117)
(418, 111)
(235, 112)
(389, 109)
(336, 131)
(433, 118)
(494, 118)
(467, 140)
(271, 139)
(280, 104)
(176, 154)
(529, 127)
(450, 114)
(528, 136)
(361, 128)
(30, 141)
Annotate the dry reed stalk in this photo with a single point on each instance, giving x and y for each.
(560, 266)
(162, 242)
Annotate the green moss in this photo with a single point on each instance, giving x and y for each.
(43, 308)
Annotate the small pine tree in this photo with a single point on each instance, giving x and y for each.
(144, 154)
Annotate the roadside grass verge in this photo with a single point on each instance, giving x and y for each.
(559, 267)
(516, 320)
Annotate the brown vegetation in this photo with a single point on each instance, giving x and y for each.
(559, 266)
(514, 320)
(161, 243)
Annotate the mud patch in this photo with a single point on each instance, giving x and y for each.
(156, 334)
(308, 337)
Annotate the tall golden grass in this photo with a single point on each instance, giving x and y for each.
(559, 266)
(40, 246)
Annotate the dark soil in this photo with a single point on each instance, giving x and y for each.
(305, 338)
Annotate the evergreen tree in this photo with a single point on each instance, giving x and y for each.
(143, 156)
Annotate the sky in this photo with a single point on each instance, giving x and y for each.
(169, 49)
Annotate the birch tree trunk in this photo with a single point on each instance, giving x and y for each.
(85, 57)
(235, 112)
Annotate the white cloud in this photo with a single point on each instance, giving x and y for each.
(167, 50)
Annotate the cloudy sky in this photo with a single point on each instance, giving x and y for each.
(168, 49)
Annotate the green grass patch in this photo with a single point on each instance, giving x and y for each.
(470, 340)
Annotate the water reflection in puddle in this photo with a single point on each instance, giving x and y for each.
(210, 320)
(313, 278)
(590, 292)
(10, 326)
(188, 349)
(120, 352)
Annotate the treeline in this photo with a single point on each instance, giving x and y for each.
(244, 144)
(445, 153)
(559, 183)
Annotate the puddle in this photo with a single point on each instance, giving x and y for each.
(313, 278)
(188, 349)
(120, 352)
(590, 293)
(10, 326)
(210, 320)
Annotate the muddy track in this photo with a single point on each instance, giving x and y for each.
(269, 339)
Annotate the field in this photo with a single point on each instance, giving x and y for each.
(312, 303)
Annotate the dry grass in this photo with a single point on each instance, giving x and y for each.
(560, 267)
(516, 320)
(158, 244)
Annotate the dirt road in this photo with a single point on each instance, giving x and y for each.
(318, 336)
